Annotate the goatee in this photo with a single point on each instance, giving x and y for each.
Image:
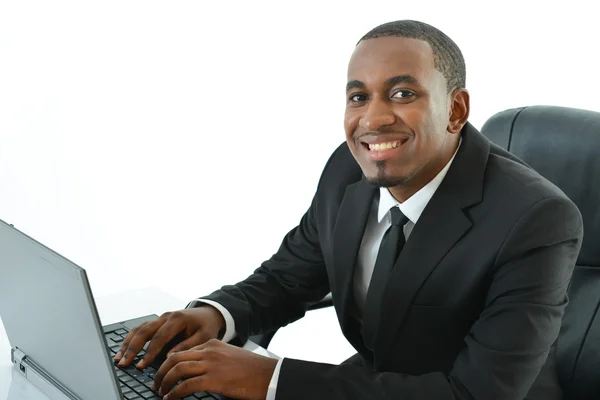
(383, 179)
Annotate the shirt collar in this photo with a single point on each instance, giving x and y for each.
(413, 207)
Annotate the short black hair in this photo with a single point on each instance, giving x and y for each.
(447, 57)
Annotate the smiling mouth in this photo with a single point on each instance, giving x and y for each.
(383, 146)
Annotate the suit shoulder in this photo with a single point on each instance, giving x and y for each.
(341, 169)
(518, 181)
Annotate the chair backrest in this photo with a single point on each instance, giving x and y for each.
(563, 145)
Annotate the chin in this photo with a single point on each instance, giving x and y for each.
(383, 173)
(382, 178)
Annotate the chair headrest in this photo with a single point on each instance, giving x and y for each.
(563, 145)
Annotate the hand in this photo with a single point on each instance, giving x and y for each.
(198, 324)
(215, 367)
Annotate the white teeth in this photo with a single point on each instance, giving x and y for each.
(384, 146)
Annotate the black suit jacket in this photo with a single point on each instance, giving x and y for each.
(473, 305)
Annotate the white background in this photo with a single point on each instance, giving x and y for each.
(173, 144)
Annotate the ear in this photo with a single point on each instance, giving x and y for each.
(459, 110)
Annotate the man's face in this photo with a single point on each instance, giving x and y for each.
(397, 112)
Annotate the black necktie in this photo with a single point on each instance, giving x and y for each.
(391, 245)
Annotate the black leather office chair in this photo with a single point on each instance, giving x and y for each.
(562, 144)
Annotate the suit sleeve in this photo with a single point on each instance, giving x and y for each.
(280, 291)
(508, 344)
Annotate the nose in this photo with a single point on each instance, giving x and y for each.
(378, 114)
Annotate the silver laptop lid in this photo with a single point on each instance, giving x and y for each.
(49, 314)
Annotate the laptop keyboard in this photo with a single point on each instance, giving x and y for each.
(135, 383)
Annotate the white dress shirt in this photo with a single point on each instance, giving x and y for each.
(378, 222)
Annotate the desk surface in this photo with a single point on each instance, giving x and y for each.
(114, 308)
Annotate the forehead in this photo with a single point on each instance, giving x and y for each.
(384, 57)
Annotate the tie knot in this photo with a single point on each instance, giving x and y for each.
(397, 217)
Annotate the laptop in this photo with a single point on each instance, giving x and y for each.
(51, 320)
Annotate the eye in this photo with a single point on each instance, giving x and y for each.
(403, 94)
(357, 98)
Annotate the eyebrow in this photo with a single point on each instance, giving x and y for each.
(401, 79)
(356, 84)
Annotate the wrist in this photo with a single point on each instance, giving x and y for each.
(218, 324)
(267, 371)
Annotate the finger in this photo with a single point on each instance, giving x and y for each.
(196, 339)
(161, 337)
(170, 362)
(187, 387)
(126, 341)
(183, 370)
(138, 341)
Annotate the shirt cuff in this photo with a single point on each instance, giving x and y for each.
(230, 332)
(274, 379)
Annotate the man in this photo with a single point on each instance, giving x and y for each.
(448, 259)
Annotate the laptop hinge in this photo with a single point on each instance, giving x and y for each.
(18, 358)
(40, 378)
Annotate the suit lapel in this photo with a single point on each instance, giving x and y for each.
(438, 229)
(347, 237)
(441, 225)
